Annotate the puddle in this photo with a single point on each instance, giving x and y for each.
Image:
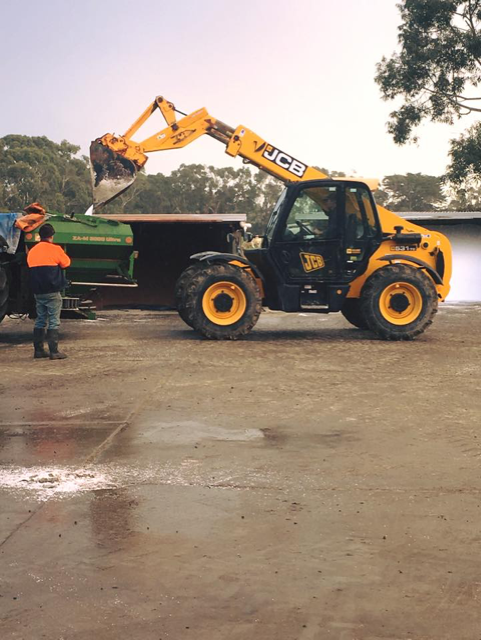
(59, 483)
(188, 432)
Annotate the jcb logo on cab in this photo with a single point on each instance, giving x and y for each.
(311, 261)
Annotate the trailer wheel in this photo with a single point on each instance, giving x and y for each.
(351, 310)
(4, 292)
(179, 291)
(399, 302)
(222, 301)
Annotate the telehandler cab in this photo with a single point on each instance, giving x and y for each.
(327, 246)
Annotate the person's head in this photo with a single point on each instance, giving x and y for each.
(329, 202)
(46, 232)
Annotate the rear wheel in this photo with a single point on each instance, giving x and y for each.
(351, 310)
(399, 302)
(179, 290)
(4, 292)
(222, 302)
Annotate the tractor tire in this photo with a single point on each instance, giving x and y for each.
(179, 290)
(399, 302)
(223, 302)
(4, 293)
(351, 310)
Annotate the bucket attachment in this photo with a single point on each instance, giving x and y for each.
(111, 173)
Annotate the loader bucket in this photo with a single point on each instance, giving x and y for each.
(111, 173)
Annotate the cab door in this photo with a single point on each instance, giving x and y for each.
(362, 229)
(307, 244)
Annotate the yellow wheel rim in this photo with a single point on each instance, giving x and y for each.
(224, 303)
(401, 303)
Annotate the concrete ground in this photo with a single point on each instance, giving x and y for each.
(308, 482)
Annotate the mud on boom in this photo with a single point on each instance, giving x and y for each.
(327, 246)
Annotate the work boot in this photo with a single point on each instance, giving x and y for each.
(52, 339)
(38, 343)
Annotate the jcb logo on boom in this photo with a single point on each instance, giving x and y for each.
(285, 161)
(311, 261)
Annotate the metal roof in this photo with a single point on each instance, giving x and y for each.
(208, 218)
(176, 217)
(439, 215)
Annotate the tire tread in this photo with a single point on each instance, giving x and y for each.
(374, 286)
(192, 301)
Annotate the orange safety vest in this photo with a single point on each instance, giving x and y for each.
(46, 261)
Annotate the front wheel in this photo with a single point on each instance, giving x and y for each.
(222, 301)
(351, 310)
(399, 302)
(180, 287)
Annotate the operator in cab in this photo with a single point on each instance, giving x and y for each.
(324, 228)
(46, 261)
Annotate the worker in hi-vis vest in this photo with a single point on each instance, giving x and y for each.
(47, 279)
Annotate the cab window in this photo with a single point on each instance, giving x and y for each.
(271, 225)
(360, 216)
(313, 215)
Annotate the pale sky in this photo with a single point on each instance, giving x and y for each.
(298, 73)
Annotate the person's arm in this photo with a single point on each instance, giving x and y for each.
(63, 259)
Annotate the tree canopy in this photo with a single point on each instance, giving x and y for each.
(412, 192)
(35, 168)
(436, 73)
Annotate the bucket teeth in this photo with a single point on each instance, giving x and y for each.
(111, 173)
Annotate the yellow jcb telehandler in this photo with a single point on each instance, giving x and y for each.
(327, 246)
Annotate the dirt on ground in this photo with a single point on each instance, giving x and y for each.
(307, 482)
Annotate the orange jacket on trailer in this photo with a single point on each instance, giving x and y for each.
(46, 261)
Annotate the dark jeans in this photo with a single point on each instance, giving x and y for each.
(49, 306)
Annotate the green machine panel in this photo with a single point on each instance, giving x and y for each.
(101, 250)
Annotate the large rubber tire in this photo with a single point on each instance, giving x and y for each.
(222, 301)
(4, 293)
(399, 302)
(179, 290)
(351, 310)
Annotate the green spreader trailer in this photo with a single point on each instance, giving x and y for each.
(101, 251)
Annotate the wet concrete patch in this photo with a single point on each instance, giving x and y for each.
(31, 444)
(146, 563)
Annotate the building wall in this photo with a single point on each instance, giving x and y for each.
(465, 238)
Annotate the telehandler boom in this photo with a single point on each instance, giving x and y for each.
(327, 246)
